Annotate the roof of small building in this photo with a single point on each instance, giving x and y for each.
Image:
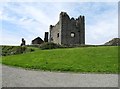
(38, 38)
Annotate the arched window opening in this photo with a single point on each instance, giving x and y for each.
(72, 34)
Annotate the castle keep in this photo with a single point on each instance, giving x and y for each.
(68, 31)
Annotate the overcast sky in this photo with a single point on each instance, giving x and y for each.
(31, 19)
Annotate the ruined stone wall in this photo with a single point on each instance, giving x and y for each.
(68, 31)
(46, 37)
(55, 33)
(82, 29)
(72, 26)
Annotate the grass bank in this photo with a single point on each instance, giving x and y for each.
(87, 59)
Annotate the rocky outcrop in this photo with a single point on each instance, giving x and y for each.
(113, 42)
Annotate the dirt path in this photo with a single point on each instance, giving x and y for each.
(17, 77)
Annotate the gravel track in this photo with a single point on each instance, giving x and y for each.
(18, 77)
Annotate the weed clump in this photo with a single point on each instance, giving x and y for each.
(50, 45)
(12, 50)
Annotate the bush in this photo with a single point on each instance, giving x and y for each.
(49, 45)
(29, 50)
(34, 45)
(11, 50)
(20, 50)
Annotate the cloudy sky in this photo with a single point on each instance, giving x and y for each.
(29, 20)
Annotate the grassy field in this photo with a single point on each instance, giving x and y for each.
(85, 59)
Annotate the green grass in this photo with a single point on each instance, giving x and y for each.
(85, 59)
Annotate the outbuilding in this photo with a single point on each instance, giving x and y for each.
(37, 40)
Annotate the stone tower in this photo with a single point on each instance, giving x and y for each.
(68, 31)
(46, 37)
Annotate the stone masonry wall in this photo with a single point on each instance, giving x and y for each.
(71, 31)
(54, 31)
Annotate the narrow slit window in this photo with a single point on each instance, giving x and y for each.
(58, 35)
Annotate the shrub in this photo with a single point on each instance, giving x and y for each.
(49, 45)
(34, 45)
(20, 50)
(29, 50)
(11, 50)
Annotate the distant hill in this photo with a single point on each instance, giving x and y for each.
(113, 42)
